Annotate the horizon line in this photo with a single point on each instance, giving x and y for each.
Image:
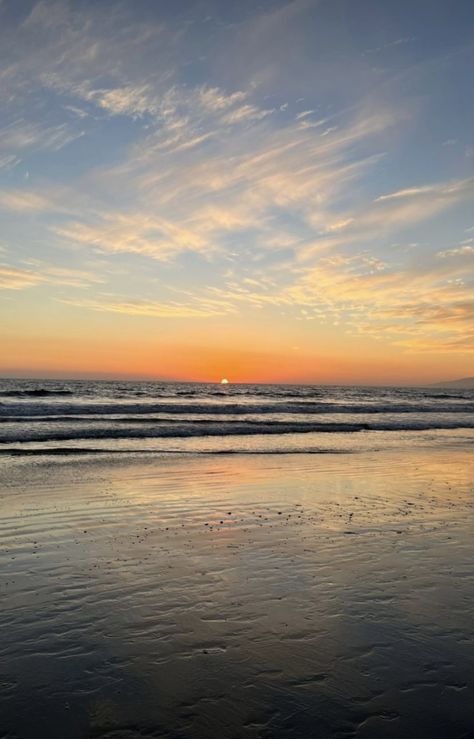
(118, 378)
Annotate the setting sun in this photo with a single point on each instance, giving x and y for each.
(224, 381)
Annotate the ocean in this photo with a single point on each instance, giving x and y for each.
(80, 416)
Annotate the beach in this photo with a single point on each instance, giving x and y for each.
(238, 595)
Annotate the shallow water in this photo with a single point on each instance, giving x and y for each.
(289, 596)
(64, 416)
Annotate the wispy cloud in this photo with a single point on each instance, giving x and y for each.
(464, 250)
(153, 308)
(245, 113)
(438, 191)
(22, 135)
(391, 213)
(24, 201)
(38, 272)
(402, 41)
(17, 279)
(425, 305)
(138, 233)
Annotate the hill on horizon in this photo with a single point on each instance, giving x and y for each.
(464, 382)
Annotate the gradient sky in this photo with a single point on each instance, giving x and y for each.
(271, 191)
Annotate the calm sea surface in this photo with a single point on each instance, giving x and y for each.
(66, 416)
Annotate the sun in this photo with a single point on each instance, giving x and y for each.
(224, 381)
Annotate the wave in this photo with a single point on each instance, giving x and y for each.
(223, 429)
(37, 393)
(30, 410)
(175, 431)
(444, 396)
(66, 451)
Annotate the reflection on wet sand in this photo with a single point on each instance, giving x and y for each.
(238, 597)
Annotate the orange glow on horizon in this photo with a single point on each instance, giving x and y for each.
(135, 359)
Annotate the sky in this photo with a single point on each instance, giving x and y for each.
(263, 191)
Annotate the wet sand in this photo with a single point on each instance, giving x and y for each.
(238, 596)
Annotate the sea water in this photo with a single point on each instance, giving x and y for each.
(50, 416)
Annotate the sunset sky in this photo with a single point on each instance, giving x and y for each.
(263, 191)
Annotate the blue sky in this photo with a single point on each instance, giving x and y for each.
(288, 179)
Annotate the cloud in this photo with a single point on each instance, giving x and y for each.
(390, 213)
(9, 161)
(215, 100)
(304, 114)
(153, 309)
(279, 211)
(430, 305)
(245, 113)
(438, 191)
(136, 233)
(129, 100)
(38, 272)
(12, 278)
(187, 182)
(22, 135)
(416, 204)
(465, 250)
(402, 41)
(191, 189)
(24, 201)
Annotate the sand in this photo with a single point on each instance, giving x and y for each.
(238, 596)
